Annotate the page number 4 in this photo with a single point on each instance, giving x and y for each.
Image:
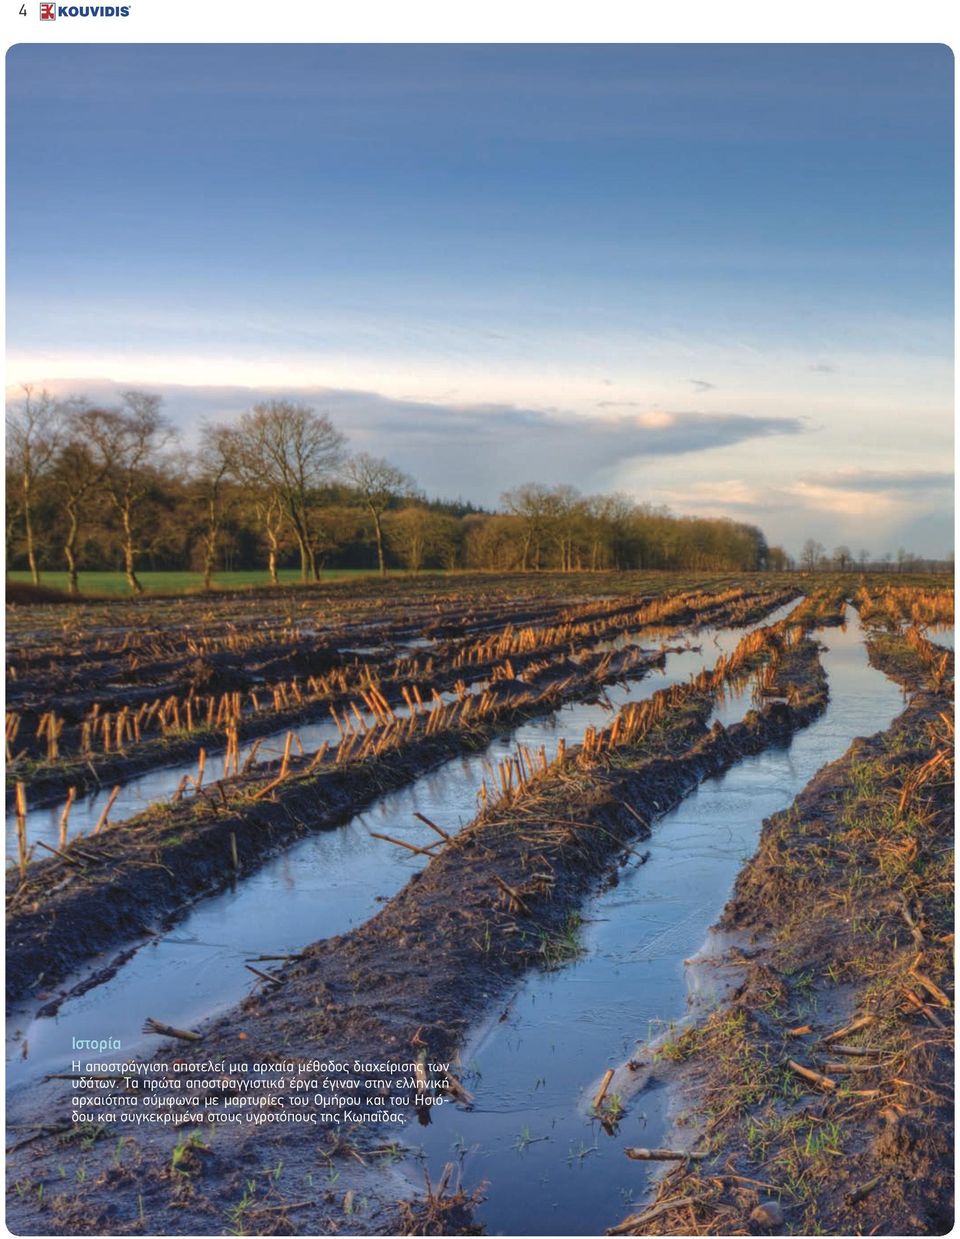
(23, 10)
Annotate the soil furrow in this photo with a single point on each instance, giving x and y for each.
(496, 897)
(820, 1095)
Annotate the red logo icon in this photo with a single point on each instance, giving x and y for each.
(48, 12)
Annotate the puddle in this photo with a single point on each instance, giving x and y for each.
(320, 887)
(550, 1168)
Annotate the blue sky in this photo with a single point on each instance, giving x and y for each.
(718, 277)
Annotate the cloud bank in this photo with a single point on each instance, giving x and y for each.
(473, 450)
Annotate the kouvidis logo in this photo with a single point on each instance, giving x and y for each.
(50, 12)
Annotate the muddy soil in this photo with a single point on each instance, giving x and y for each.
(104, 890)
(494, 902)
(125, 674)
(227, 643)
(818, 1099)
(358, 600)
(49, 781)
(73, 676)
(108, 888)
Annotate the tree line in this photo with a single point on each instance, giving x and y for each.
(814, 557)
(91, 487)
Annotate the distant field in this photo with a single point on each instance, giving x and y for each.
(365, 582)
(183, 582)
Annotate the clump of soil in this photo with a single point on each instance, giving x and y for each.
(215, 673)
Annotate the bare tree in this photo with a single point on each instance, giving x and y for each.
(76, 476)
(33, 436)
(291, 451)
(125, 443)
(270, 515)
(531, 504)
(546, 515)
(842, 557)
(416, 534)
(564, 512)
(378, 484)
(606, 520)
(213, 468)
(777, 559)
(811, 554)
(863, 555)
(262, 499)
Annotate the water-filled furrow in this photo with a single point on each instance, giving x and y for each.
(160, 782)
(549, 1168)
(320, 887)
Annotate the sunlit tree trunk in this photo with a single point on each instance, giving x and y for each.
(28, 530)
(70, 549)
(129, 553)
(378, 533)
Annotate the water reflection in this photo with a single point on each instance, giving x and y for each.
(532, 1073)
(320, 887)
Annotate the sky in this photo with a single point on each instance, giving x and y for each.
(716, 277)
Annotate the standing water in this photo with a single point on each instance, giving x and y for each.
(141, 790)
(320, 887)
(549, 1167)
